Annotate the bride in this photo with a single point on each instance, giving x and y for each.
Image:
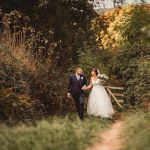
(99, 103)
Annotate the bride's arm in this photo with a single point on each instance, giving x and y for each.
(89, 86)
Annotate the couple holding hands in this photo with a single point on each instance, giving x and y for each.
(99, 103)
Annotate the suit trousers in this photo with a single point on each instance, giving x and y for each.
(79, 101)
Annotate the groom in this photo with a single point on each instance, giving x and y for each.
(76, 82)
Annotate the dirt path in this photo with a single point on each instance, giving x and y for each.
(110, 139)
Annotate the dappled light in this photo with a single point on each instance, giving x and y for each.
(74, 75)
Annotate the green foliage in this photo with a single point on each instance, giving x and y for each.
(126, 61)
(119, 32)
(130, 65)
(139, 18)
(136, 131)
(90, 58)
(138, 87)
(55, 133)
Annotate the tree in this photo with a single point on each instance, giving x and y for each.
(118, 2)
(143, 1)
(64, 24)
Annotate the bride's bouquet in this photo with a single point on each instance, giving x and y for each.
(104, 76)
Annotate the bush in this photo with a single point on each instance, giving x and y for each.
(51, 89)
(138, 91)
(131, 65)
(30, 89)
(16, 102)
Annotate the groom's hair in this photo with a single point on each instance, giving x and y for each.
(77, 68)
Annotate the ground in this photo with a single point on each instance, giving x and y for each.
(110, 139)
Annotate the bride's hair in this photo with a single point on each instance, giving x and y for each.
(96, 71)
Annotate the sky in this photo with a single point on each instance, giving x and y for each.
(109, 3)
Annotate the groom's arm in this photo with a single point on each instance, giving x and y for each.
(85, 80)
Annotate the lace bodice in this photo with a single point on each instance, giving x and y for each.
(96, 82)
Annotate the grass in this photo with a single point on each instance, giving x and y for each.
(137, 131)
(54, 133)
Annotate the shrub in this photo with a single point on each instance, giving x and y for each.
(15, 99)
(131, 65)
(138, 91)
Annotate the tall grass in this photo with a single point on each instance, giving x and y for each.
(55, 133)
(136, 131)
(22, 48)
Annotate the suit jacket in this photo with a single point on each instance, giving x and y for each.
(75, 85)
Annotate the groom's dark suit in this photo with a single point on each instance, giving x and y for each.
(77, 93)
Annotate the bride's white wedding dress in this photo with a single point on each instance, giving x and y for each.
(99, 103)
